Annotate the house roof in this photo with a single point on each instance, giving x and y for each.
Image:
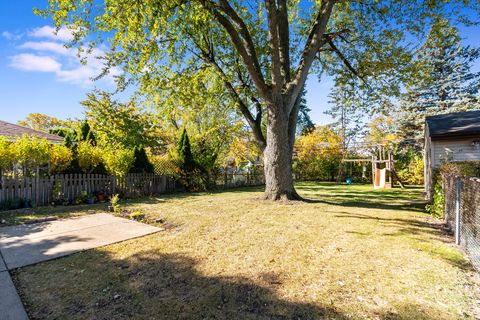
(12, 131)
(454, 124)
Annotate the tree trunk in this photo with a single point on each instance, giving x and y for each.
(278, 157)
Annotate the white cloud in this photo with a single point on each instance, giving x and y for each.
(49, 32)
(49, 46)
(32, 62)
(10, 35)
(52, 56)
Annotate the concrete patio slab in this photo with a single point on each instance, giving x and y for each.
(29, 244)
(3, 267)
(11, 307)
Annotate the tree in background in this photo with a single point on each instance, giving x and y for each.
(43, 122)
(186, 162)
(443, 81)
(262, 51)
(318, 154)
(118, 124)
(382, 131)
(31, 152)
(205, 110)
(85, 133)
(304, 122)
(142, 163)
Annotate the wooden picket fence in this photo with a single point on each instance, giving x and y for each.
(43, 191)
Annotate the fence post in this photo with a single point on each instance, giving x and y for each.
(458, 194)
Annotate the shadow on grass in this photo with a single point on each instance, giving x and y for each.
(152, 285)
(420, 231)
(362, 196)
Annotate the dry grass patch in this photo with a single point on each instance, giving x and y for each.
(31, 215)
(354, 254)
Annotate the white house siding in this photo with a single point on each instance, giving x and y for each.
(454, 150)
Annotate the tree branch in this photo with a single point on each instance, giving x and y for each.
(247, 53)
(274, 41)
(284, 35)
(345, 61)
(314, 42)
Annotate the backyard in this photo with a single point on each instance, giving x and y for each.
(348, 253)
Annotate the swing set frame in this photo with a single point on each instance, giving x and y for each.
(382, 159)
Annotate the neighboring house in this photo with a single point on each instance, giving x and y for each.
(12, 131)
(450, 137)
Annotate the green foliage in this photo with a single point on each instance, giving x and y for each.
(442, 81)
(19, 203)
(82, 197)
(464, 168)
(85, 133)
(42, 122)
(57, 194)
(137, 215)
(116, 203)
(118, 161)
(184, 149)
(88, 156)
(7, 154)
(437, 206)
(318, 155)
(409, 165)
(119, 124)
(304, 122)
(141, 164)
(31, 152)
(60, 158)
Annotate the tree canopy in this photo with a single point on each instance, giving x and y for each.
(262, 51)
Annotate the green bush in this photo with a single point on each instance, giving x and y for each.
(137, 215)
(437, 206)
(464, 168)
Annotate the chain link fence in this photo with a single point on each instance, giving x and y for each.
(462, 213)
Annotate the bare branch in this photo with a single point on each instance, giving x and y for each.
(345, 61)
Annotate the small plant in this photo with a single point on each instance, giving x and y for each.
(137, 215)
(437, 206)
(57, 194)
(116, 203)
(82, 198)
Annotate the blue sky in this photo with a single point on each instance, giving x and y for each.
(39, 75)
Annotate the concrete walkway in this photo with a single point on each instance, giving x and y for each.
(29, 244)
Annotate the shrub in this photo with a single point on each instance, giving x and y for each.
(137, 215)
(464, 168)
(118, 161)
(7, 155)
(142, 163)
(32, 152)
(409, 166)
(436, 208)
(318, 154)
(88, 156)
(60, 158)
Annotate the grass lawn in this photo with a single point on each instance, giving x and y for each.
(352, 253)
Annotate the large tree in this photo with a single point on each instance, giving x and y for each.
(443, 81)
(263, 51)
